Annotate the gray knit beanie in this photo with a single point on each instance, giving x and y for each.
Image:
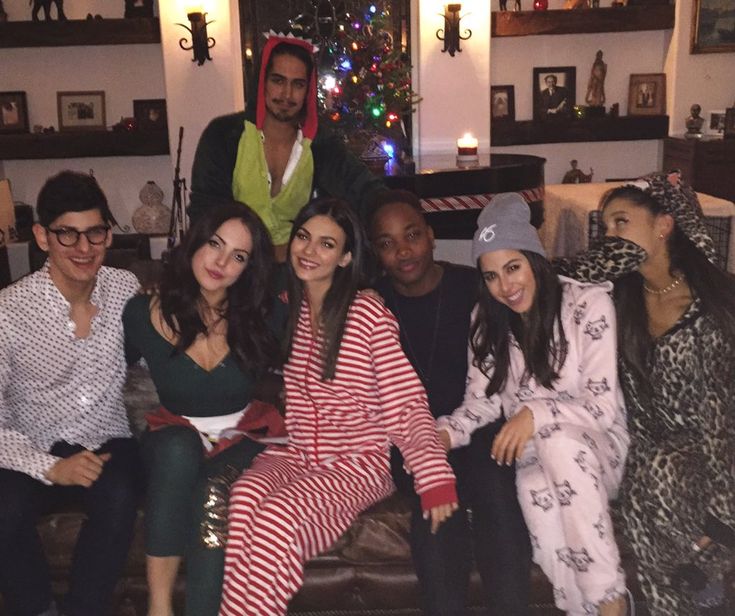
(504, 224)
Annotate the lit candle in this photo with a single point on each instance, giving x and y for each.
(194, 7)
(467, 145)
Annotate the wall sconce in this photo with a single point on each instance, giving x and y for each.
(200, 42)
(451, 35)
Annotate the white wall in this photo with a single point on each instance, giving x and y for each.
(608, 159)
(513, 60)
(123, 72)
(455, 91)
(706, 79)
(20, 10)
(120, 178)
(194, 94)
(197, 94)
(457, 88)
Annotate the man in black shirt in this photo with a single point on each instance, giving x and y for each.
(433, 303)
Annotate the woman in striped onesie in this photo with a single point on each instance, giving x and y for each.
(350, 393)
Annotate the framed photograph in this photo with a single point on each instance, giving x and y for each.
(81, 110)
(554, 92)
(150, 113)
(713, 26)
(729, 123)
(715, 123)
(503, 103)
(13, 112)
(647, 94)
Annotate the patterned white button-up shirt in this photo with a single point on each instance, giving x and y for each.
(53, 385)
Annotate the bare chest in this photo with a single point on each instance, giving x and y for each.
(277, 156)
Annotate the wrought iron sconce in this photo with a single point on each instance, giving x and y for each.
(200, 42)
(451, 35)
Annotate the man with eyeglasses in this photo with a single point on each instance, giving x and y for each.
(64, 434)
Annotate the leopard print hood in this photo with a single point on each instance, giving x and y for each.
(680, 201)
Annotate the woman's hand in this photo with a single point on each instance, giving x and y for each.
(513, 436)
(439, 514)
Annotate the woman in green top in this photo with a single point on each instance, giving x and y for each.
(205, 336)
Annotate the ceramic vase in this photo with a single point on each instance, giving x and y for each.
(153, 217)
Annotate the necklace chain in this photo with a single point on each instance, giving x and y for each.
(677, 281)
(425, 376)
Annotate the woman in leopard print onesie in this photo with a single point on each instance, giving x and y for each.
(676, 316)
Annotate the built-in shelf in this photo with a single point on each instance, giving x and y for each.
(84, 144)
(628, 128)
(616, 19)
(133, 31)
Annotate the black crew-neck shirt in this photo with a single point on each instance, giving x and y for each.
(435, 330)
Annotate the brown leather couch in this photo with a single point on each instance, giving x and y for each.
(367, 573)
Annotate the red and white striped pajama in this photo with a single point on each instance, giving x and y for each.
(295, 501)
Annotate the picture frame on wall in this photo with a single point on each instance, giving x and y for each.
(81, 110)
(554, 92)
(503, 103)
(647, 94)
(150, 113)
(13, 113)
(729, 130)
(713, 26)
(715, 122)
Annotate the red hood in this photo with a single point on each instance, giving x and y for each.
(310, 121)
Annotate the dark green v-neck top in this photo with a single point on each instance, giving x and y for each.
(183, 386)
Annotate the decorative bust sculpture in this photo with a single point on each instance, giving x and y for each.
(694, 122)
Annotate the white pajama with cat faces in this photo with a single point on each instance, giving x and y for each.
(574, 463)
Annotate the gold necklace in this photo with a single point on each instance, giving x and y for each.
(677, 281)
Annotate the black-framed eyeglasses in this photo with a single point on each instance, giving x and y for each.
(69, 236)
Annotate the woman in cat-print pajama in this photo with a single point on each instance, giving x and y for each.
(543, 353)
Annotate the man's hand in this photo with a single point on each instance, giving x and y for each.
(439, 514)
(513, 436)
(444, 439)
(81, 469)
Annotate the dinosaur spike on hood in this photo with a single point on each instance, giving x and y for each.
(310, 123)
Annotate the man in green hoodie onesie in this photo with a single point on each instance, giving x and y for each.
(273, 156)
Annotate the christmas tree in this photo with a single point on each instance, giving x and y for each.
(364, 77)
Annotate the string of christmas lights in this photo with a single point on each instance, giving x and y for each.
(364, 79)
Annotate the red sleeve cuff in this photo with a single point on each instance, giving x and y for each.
(441, 495)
